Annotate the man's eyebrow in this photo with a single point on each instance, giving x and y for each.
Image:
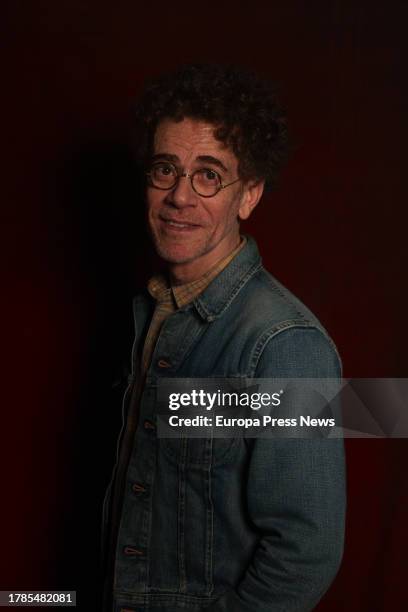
(207, 159)
(167, 156)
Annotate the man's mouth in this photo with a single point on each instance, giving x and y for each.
(179, 225)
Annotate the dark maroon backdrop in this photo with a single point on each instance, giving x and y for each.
(334, 232)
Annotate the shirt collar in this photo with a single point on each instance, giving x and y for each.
(182, 295)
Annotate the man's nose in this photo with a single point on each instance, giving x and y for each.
(183, 194)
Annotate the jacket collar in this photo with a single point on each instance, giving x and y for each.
(219, 294)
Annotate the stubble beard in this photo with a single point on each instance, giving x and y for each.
(169, 252)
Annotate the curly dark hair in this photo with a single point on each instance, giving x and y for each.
(243, 108)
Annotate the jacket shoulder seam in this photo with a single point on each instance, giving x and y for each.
(279, 289)
(277, 329)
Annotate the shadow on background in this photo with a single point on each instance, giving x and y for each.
(109, 261)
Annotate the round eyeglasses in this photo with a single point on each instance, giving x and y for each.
(205, 181)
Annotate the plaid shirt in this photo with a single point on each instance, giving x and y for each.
(169, 299)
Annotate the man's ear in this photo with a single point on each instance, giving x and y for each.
(252, 193)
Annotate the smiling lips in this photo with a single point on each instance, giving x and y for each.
(178, 225)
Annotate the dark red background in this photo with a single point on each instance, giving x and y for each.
(334, 233)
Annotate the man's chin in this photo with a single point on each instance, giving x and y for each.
(176, 254)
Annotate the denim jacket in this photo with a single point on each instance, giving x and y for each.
(230, 525)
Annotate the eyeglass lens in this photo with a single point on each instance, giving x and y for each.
(205, 182)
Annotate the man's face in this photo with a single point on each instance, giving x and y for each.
(189, 231)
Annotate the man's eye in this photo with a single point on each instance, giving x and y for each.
(209, 175)
(164, 169)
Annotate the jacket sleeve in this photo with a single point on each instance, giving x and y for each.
(295, 495)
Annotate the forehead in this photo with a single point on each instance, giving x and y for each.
(190, 138)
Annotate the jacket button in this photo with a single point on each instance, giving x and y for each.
(162, 363)
(132, 552)
(138, 488)
(149, 425)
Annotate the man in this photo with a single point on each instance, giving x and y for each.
(230, 525)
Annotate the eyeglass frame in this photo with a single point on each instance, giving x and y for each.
(189, 175)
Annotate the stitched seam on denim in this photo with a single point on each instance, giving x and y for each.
(161, 598)
(210, 315)
(271, 333)
(181, 516)
(183, 349)
(153, 382)
(150, 483)
(281, 291)
(283, 294)
(186, 347)
(210, 519)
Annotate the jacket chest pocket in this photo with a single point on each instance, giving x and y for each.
(182, 531)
